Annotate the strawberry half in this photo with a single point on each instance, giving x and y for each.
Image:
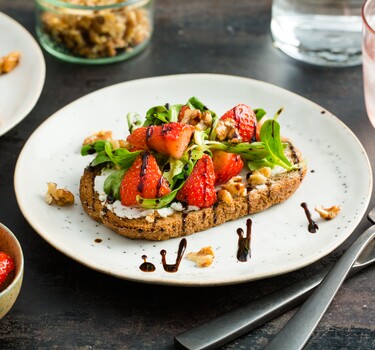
(6, 266)
(138, 138)
(226, 165)
(171, 139)
(245, 120)
(143, 178)
(199, 189)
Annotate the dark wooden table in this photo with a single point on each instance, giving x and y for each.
(64, 305)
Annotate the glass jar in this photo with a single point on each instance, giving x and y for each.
(94, 31)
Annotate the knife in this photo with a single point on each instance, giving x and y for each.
(233, 324)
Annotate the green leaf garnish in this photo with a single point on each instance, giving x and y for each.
(270, 136)
(259, 113)
(120, 157)
(247, 150)
(92, 148)
(134, 121)
(113, 182)
(162, 114)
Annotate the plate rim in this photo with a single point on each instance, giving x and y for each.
(177, 282)
(37, 90)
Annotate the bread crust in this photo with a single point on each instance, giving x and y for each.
(277, 189)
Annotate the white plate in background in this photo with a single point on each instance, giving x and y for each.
(21, 88)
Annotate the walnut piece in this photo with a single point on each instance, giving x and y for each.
(226, 130)
(260, 176)
(235, 187)
(58, 196)
(203, 258)
(328, 213)
(9, 62)
(105, 135)
(195, 117)
(225, 196)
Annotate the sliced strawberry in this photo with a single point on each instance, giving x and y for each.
(6, 266)
(143, 178)
(245, 119)
(138, 138)
(171, 139)
(199, 187)
(226, 165)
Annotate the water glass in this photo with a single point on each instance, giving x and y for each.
(320, 32)
(368, 16)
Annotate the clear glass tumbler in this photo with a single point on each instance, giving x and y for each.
(368, 16)
(320, 32)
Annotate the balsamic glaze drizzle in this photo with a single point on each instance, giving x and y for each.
(147, 266)
(312, 226)
(145, 156)
(244, 242)
(180, 253)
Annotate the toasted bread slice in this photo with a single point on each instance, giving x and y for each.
(277, 189)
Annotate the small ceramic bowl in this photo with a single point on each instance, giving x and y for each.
(10, 245)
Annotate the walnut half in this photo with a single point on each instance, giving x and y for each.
(203, 258)
(9, 62)
(58, 196)
(328, 213)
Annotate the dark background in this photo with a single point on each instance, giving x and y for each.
(64, 305)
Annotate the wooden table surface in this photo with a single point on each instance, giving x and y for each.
(64, 305)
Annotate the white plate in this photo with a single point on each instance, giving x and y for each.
(339, 174)
(21, 88)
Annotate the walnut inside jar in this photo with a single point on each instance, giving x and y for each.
(98, 33)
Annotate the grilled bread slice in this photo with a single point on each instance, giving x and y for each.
(279, 187)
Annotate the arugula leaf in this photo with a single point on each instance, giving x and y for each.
(92, 148)
(158, 203)
(270, 136)
(176, 166)
(257, 164)
(113, 182)
(248, 151)
(134, 121)
(162, 114)
(195, 103)
(101, 158)
(120, 157)
(259, 113)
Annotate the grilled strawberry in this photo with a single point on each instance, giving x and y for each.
(171, 139)
(6, 266)
(143, 178)
(245, 119)
(138, 138)
(226, 165)
(199, 187)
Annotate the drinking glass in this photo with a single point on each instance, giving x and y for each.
(368, 16)
(320, 32)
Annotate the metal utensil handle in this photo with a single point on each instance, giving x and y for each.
(235, 323)
(226, 327)
(298, 330)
